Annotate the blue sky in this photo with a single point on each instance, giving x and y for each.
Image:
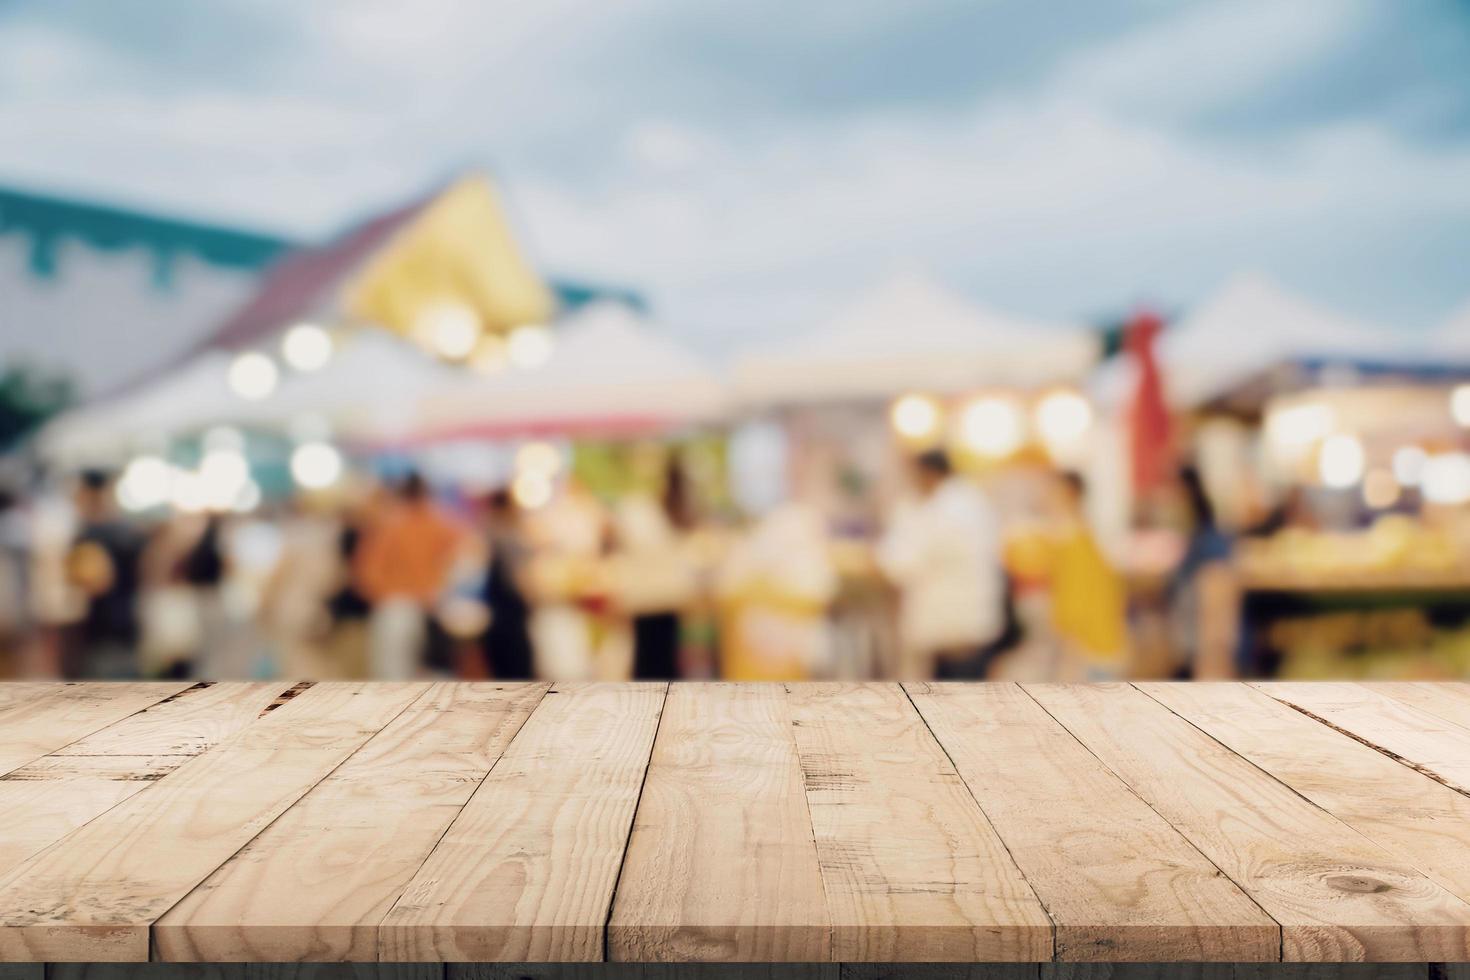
(749, 165)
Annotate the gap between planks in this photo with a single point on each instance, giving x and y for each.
(969, 790)
(618, 879)
(612, 899)
(438, 702)
(1325, 907)
(1413, 749)
(1280, 930)
(286, 697)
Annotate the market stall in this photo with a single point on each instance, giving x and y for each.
(340, 343)
(1362, 568)
(911, 334)
(910, 366)
(611, 371)
(1243, 331)
(343, 399)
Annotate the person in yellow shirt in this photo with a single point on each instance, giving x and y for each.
(1089, 603)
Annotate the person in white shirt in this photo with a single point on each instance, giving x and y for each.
(942, 551)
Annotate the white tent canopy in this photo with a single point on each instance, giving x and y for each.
(907, 334)
(366, 391)
(1250, 325)
(608, 370)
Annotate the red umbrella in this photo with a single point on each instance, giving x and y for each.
(1148, 414)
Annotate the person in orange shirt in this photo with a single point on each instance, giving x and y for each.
(402, 567)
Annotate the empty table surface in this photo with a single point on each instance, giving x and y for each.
(490, 821)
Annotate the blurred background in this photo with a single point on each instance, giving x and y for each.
(1086, 340)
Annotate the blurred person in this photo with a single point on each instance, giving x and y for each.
(15, 546)
(654, 578)
(507, 640)
(348, 621)
(168, 609)
(1089, 603)
(103, 565)
(568, 538)
(1203, 595)
(297, 602)
(775, 587)
(1292, 510)
(943, 552)
(202, 569)
(402, 567)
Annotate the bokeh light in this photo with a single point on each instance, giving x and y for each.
(253, 376)
(306, 347)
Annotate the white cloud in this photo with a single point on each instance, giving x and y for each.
(1073, 197)
(1059, 207)
(1208, 56)
(664, 147)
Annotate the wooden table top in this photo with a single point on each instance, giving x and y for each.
(734, 822)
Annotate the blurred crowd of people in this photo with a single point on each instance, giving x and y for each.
(401, 580)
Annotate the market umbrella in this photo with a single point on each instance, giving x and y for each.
(1252, 325)
(609, 371)
(911, 334)
(364, 393)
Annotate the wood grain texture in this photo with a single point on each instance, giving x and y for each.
(317, 882)
(1438, 748)
(42, 802)
(913, 870)
(94, 894)
(47, 718)
(721, 865)
(1415, 818)
(185, 724)
(526, 871)
(704, 826)
(1337, 895)
(1119, 882)
(14, 693)
(1449, 702)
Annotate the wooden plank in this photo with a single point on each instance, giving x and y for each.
(1118, 881)
(42, 802)
(16, 693)
(39, 725)
(94, 894)
(1414, 818)
(721, 865)
(1439, 749)
(317, 882)
(1338, 896)
(527, 869)
(185, 724)
(1449, 702)
(913, 870)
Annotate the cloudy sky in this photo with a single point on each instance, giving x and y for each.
(750, 164)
